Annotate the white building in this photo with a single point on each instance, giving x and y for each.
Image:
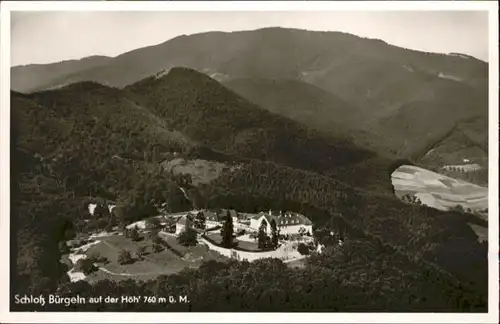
(92, 208)
(287, 223)
(217, 218)
(212, 219)
(111, 207)
(183, 222)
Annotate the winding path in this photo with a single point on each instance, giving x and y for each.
(132, 274)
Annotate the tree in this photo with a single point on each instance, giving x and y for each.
(303, 249)
(63, 247)
(141, 249)
(119, 214)
(109, 228)
(157, 240)
(170, 225)
(274, 234)
(92, 225)
(302, 231)
(262, 237)
(86, 266)
(96, 257)
(101, 211)
(133, 234)
(188, 237)
(153, 223)
(80, 225)
(102, 223)
(200, 221)
(124, 257)
(122, 228)
(458, 208)
(157, 248)
(153, 234)
(227, 232)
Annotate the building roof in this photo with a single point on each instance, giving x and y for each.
(211, 216)
(220, 215)
(233, 213)
(269, 213)
(285, 219)
(184, 219)
(288, 219)
(181, 220)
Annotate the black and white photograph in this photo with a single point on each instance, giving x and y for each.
(258, 158)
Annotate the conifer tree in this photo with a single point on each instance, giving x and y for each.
(227, 232)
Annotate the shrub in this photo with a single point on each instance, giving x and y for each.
(63, 247)
(140, 250)
(86, 266)
(109, 228)
(133, 234)
(157, 240)
(157, 248)
(153, 234)
(153, 223)
(97, 257)
(188, 237)
(102, 223)
(125, 257)
(303, 249)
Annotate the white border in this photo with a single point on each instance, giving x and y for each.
(493, 250)
(491, 317)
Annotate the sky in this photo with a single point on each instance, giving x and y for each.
(47, 37)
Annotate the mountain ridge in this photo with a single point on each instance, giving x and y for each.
(390, 86)
(69, 139)
(334, 36)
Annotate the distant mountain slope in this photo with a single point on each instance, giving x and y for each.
(466, 144)
(27, 78)
(299, 101)
(420, 122)
(318, 57)
(204, 110)
(309, 105)
(390, 86)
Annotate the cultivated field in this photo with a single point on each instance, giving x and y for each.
(439, 191)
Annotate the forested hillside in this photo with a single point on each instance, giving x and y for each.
(215, 116)
(68, 146)
(299, 101)
(89, 141)
(27, 78)
(405, 100)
